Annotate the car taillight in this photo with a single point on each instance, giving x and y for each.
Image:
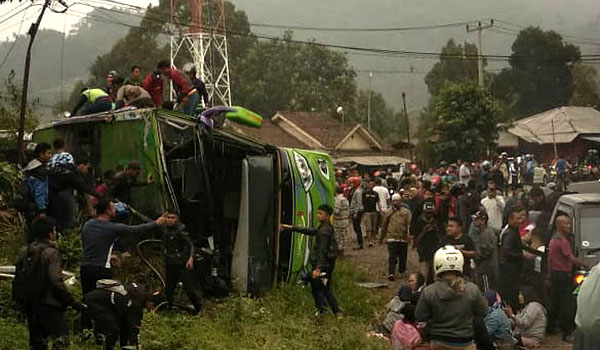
(589, 167)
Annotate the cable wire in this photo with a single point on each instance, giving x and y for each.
(400, 53)
(14, 43)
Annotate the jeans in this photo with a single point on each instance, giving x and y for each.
(176, 274)
(397, 256)
(46, 322)
(321, 291)
(190, 107)
(561, 287)
(100, 105)
(356, 219)
(89, 276)
(63, 209)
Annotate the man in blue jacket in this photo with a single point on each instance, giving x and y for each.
(36, 180)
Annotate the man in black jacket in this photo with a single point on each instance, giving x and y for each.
(179, 260)
(123, 181)
(64, 179)
(322, 259)
(511, 259)
(45, 314)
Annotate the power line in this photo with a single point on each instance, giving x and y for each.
(401, 53)
(14, 43)
(10, 13)
(355, 49)
(391, 71)
(520, 26)
(340, 29)
(11, 16)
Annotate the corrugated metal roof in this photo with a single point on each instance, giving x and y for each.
(371, 160)
(560, 125)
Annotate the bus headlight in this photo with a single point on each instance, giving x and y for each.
(304, 171)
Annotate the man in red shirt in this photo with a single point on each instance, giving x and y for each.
(560, 267)
(187, 95)
(153, 83)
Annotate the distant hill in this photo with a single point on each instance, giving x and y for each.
(81, 46)
(580, 18)
(93, 37)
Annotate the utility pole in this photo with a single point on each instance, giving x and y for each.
(410, 152)
(369, 103)
(480, 29)
(32, 33)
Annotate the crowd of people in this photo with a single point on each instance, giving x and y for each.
(133, 91)
(56, 191)
(490, 271)
(495, 217)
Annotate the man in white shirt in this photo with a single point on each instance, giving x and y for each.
(494, 205)
(384, 198)
(464, 173)
(384, 195)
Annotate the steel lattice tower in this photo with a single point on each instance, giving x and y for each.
(205, 40)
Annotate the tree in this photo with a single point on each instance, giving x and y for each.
(10, 100)
(385, 122)
(285, 75)
(465, 122)
(585, 86)
(539, 77)
(454, 66)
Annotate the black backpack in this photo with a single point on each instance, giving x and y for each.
(29, 283)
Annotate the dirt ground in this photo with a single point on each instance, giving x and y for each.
(374, 261)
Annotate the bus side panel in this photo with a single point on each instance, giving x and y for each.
(123, 142)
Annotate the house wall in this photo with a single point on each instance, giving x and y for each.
(355, 143)
(575, 149)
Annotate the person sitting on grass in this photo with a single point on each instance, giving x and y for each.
(497, 323)
(322, 259)
(402, 306)
(531, 320)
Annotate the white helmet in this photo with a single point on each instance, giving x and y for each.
(188, 67)
(448, 258)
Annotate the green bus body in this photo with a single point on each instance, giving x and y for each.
(301, 180)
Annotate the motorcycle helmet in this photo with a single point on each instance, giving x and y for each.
(121, 211)
(446, 259)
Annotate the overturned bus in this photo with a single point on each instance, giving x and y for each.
(232, 191)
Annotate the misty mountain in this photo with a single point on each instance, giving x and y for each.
(579, 18)
(94, 36)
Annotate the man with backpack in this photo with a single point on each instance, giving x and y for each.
(322, 259)
(98, 237)
(39, 290)
(35, 186)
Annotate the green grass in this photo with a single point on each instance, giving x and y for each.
(282, 319)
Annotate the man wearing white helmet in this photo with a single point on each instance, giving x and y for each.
(450, 305)
(395, 229)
